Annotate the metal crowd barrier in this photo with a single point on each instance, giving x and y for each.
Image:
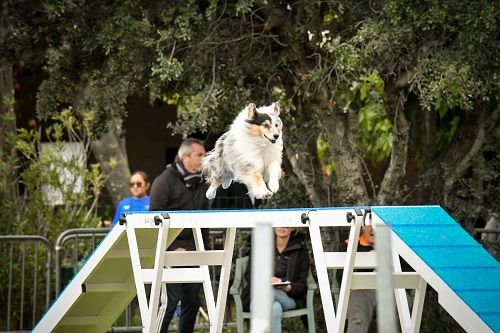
(26, 281)
(84, 240)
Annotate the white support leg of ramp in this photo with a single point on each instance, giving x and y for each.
(207, 284)
(409, 321)
(148, 312)
(224, 280)
(322, 273)
(161, 246)
(216, 308)
(349, 261)
(345, 286)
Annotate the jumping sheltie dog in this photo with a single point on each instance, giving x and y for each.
(249, 153)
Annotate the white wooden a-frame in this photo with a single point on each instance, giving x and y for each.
(133, 254)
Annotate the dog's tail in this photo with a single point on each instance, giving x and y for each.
(207, 164)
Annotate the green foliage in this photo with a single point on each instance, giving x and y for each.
(448, 121)
(197, 111)
(323, 154)
(445, 47)
(244, 6)
(453, 61)
(45, 189)
(167, 69)
(447, 80)
(98, 54)
(375, 129)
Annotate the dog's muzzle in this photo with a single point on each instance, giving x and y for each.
(274, 139)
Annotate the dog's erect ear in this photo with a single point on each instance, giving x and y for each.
(277, 108)
(251, 111)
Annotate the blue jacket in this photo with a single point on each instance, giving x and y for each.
(131, 204)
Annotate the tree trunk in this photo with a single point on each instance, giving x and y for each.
(301, 150)
(428, 126)
(9, 181)
(341, 130)
(442, 173)
(8, 123)
(111, 153)
(462, 156)
(391, 189)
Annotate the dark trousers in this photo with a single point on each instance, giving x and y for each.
(189, 296)
(360, 310)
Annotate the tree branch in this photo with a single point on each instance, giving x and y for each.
(464, 162)
(301, 151)
(391, 183)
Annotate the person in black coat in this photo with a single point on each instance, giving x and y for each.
(181, 187)
(291, 268)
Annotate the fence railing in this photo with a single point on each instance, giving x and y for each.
(26, 281)
(84, 241)
(23, 303)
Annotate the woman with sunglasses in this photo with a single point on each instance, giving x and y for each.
(139, 201)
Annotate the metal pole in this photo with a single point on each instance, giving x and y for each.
(261, 290)
(386, 309)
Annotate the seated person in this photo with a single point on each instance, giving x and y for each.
(291, 263)
(362, 302)
(139, 201)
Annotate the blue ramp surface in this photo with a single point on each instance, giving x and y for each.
(448, 250)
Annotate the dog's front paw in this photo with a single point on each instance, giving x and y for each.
(211, 192)
(264, 194)
(274, 185)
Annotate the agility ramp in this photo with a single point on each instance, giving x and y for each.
(133, 254)
(465, 276)
(443, 255)
(105, 285)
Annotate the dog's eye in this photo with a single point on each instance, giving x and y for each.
(267, 126)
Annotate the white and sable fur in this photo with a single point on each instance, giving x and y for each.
(249, 153)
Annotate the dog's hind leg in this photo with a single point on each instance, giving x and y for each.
(212, 190)
(226, 183)
(227, 179)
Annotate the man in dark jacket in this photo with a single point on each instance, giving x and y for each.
(181, 187)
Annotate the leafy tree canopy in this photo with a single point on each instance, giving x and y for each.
(384, 82)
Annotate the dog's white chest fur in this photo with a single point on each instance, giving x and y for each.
(249, 153)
